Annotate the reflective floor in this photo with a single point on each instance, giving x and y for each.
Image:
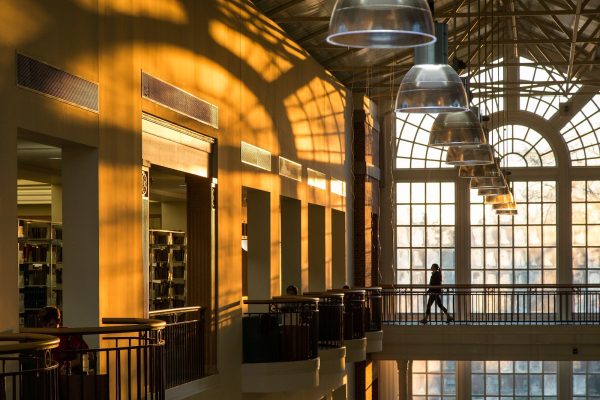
(496, 380)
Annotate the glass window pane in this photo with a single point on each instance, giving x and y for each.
(579, 213)
(433, 236)
(403, 215)
(447, 236)
(418, 214)
(433, 192)
(447, 214)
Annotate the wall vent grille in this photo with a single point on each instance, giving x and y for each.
(255, 156)
(338, 187)
(46, 79)
(179, 100)
(290, 169)
(316, 179)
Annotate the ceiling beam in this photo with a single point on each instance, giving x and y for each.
(498, 14)
(574, 41)
(484, 65)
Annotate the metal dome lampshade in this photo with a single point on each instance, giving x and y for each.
(431, 88)
(499, 199)
(480, 155)
(482, 183)
(457, 129)
(477, 171)
(505, 206)
(492, 191)
(381, 24)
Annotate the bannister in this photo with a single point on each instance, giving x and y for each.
(184, 344)
(373, 308)
(281, 329)
(331, 318)
(128, 362)
(493, 304)
(27, 370)
(354, 312)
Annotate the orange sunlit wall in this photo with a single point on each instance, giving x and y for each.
(269, 91)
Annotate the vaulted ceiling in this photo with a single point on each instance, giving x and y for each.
(562, 34)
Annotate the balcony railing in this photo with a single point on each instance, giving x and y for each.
(184, 344)
(354, 312)
(281, 329)
(373, 308)
(493, 304)
(127, 363)
(331, 318)
(27, 370)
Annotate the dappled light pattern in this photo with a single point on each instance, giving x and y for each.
(540, 78)
(483, 98)
(433, 380)
(512, 380)
(412, 138)
(582, 135)
(585, 198)
(520, 146)
(424, 231)
(519, 249)
(316, 116)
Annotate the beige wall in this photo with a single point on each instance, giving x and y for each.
(270, 93)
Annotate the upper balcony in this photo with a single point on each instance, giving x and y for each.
(495, 322)
(280, 345)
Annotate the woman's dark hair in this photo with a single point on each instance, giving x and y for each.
(434, 265)
(291, 290)
(48, 314)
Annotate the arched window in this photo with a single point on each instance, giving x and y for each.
(487, 103)
(582, 134)
(540, 97)
(412, 137)
(520, 146)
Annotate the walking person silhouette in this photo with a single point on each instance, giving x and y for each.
(435, 294)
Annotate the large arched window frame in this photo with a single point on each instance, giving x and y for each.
(542, 147)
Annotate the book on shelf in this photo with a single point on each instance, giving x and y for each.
(167, 268)
(39, 266)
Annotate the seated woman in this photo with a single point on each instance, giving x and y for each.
(67, 353)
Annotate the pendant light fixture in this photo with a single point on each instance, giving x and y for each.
(482, 183)
(473, 171)
(431, 85)
(457, 129)
(507, 212)
(480, 155)
(505, 206)
(499, 199)
(381, 24)
(492, 191)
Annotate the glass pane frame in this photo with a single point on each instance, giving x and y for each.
(425, 231)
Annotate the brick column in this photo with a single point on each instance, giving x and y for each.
(366, 218)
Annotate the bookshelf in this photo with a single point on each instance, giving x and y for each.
(168, 269)
(40, 268)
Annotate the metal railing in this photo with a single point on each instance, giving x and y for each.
(492, 304)
(373, 308)
(128, 363)
(281, 329)
(354, 312)
(331, 318)
(184, 344)
(27, 370)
